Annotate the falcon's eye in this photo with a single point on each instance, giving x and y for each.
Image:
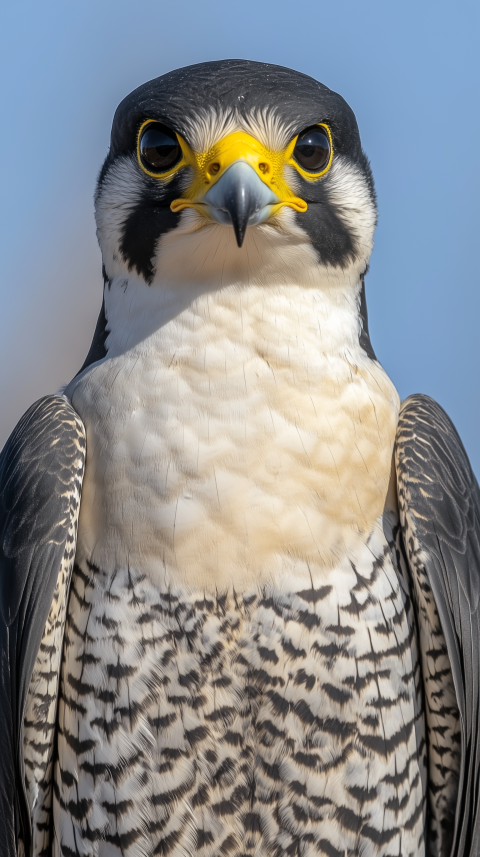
(159, 148)
(312, 149)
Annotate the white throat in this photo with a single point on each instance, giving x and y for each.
(236, 431)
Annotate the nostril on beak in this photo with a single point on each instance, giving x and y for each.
(239, 197)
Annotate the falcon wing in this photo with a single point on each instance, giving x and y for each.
(439, 505)
(41, 472)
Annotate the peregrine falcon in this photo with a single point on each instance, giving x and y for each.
(239, 579)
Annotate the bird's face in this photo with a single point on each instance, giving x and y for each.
(222, 164)
(239, 180)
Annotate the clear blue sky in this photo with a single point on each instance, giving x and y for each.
(410, 70)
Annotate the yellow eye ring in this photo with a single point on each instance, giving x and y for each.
(322, 142)
(166, 143)
(160, 152)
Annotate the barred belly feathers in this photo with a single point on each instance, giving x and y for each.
(247, 655)
(263, 692)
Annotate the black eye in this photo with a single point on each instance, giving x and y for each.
(159, 148)
(312, 149)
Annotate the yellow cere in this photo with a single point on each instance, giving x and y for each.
(208, 167)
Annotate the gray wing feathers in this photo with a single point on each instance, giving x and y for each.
(439, 505)
(41, 471)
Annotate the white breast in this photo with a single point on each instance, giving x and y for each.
(232, 434)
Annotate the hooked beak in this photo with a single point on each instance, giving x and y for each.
(238, 182)
(240, 198)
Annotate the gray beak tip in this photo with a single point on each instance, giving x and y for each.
(240, 203)
(239, 229)
(238, 197)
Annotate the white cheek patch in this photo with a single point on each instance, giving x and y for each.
(348, 191)
(119, 194)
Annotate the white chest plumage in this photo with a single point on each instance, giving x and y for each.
(237, 434)
(240, 666)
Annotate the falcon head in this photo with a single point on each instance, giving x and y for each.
(235, 171)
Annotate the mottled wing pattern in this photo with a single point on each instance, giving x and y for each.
(439, 504)
(41, 471)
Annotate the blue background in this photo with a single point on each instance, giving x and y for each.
(408, 69)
